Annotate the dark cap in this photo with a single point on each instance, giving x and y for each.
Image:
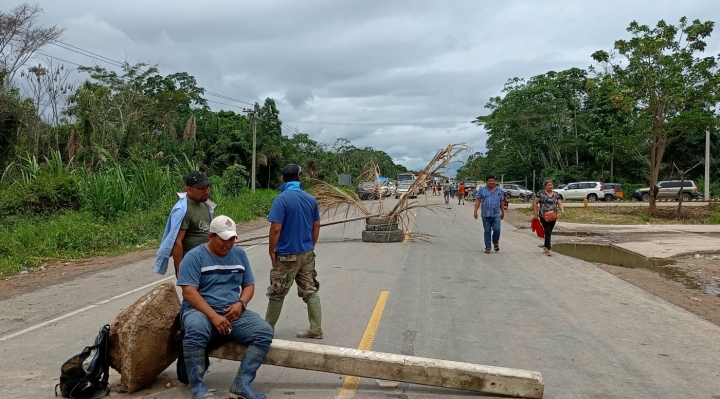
(197, 179)
(291, 170)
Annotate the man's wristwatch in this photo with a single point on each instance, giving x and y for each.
(244, 304)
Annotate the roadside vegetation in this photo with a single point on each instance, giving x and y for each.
(638, 115)
(91, 166)
(58, 213)
(637, 215)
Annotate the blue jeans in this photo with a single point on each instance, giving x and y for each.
(491, 224)
(248, 329)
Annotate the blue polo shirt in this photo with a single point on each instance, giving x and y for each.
(218, 279)
(297, 211)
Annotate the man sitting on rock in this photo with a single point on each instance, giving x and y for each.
(217, 284)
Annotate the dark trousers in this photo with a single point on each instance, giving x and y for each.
(548, 227)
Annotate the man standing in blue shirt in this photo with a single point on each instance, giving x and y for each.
(217, 284)
(491, 199)
(294, 231)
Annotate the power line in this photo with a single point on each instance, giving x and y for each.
(89, 52)
(226, 104)
(111, 62)
(379, 123)
(59, 59)
(116, 63)
(228, 98)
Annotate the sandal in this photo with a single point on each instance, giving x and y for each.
(548, 253)
(497, 247)
(544, 249)
(487, 250)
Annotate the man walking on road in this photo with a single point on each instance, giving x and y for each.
(446, 191)
(188, 223)
(461, 193)
(491, 199)
(294, 231)
(217, 284)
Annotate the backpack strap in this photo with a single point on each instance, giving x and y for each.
(106, 362)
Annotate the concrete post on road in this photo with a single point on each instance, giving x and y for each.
(391, 367)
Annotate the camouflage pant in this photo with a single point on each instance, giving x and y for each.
(288, 268)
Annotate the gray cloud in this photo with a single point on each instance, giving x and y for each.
(427, 66)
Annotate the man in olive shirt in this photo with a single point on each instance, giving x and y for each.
(195, 226)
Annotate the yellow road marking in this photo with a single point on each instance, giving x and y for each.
(350, 385)
(407, 232)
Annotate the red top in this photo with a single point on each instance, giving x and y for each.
(461, 189)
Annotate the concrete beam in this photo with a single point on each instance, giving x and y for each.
(391, 367)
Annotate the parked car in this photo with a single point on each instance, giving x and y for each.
(368, 191)
(669, 189)
(592, 190)
(516, 190)
(404, 187)
(613, 191)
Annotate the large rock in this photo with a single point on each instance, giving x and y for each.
(143, 337)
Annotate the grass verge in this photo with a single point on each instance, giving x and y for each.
(637, 215)
(27, 242)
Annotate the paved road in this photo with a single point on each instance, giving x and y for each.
(591, 334)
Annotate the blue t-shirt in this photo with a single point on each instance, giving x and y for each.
(296, 210)
(218, 279)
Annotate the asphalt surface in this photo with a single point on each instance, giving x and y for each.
(589, 333)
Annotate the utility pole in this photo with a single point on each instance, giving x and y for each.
(707, 164)
(707, 161)
(533, 181)
(254, 113)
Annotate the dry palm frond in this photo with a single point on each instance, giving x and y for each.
(331, 198)
(418, 236)
(442, 160)
(262, 160)
(371, 174)
(190, 129)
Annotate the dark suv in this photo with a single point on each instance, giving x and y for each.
(669, 190)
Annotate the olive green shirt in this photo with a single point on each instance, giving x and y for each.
(196, 224)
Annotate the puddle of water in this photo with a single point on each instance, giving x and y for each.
(711, 288)
(575, 233)
(615, 256)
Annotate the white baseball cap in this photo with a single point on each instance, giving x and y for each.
(224, 227)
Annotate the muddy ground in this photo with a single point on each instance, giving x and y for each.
(64, 271)
(692, 281)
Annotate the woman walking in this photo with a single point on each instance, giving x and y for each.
(546, 207)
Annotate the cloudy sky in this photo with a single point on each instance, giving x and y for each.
(403, 76)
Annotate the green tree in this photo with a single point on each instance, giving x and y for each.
(660, 81)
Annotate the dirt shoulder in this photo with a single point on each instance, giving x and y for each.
(693, 282)
(64, 271)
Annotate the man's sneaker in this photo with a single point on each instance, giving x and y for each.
(310, 334)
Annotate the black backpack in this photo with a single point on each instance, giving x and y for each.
(85, 375)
